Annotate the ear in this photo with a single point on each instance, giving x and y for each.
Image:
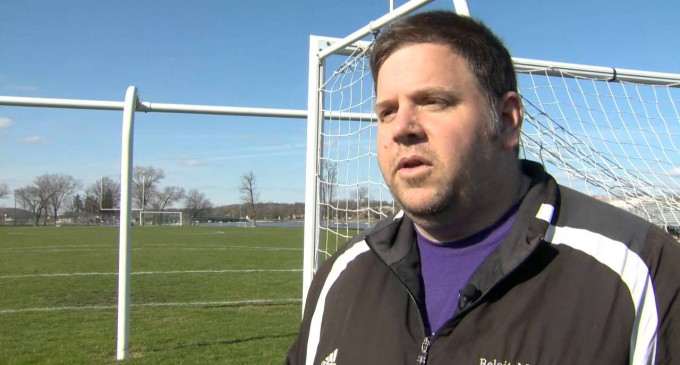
(510, 115)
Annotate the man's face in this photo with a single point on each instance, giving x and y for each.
(436, 145)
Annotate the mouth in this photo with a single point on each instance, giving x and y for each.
(411, 163)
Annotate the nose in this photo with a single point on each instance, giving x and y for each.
(407, 127)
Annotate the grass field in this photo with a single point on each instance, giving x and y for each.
(200, 295)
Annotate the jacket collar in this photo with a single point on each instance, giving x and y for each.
(527, 232)
(394, 240)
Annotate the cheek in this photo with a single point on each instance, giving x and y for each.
(383, 157)
(382, 140)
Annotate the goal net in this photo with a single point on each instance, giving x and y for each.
(609, 133)
(164, 218)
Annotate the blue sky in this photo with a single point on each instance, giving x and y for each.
(243, 54)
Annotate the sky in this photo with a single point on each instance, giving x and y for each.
(242, 54)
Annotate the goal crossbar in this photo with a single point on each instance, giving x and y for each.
(612, 74)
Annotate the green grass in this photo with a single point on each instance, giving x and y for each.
(188, 294)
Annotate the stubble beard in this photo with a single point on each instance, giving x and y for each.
(448, 196)
(454, 194)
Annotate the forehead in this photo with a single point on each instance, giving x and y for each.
(424, 64)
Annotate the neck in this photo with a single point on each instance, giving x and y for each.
(481, 213)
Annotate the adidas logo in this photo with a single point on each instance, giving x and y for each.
(330, 359)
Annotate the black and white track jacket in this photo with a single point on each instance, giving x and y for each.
(576, 281)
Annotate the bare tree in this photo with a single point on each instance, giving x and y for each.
(145, 182)
(90, 207)
(195, 203)
(362, 201)
(59, 187)
(4, 190)
(105, 193)
(74, 206)
(165, 197)
(327, 191)
(31, 199)
(249, 194)
(44, 185)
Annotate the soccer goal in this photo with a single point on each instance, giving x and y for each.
(243, 224)
(607, 132)
(164, 218)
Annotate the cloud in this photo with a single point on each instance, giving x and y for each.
(33, 139)
(255, 151)
(193, 162)
(5, 123)
(22, 88)
(17, 87)
(256, 154)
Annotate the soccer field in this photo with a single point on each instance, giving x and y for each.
(200, 295)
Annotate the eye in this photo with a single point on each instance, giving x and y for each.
(386, 114)
(435, 102)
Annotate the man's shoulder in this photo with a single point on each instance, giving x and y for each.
(385, 223)
(585, 212)
(595, 209)
(580, 210)
(380, 229)
(381, 233)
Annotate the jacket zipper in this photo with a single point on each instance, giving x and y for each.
(424, 348)
(427, 340)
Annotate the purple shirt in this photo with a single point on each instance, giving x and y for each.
(447, 267)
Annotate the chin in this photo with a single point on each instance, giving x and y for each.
(428, 206)
(423, 209)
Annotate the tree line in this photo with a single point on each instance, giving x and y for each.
(55, 195)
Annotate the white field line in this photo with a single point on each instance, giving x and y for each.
(234, 271)
(54, 246)
(141, 305)
(62, 247)
(195, 233)
(59, 250)
(254, 248)
(148, 247)
(34, 234)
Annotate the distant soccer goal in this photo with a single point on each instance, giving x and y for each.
(607, 132)
(164, 218)
(242, 224)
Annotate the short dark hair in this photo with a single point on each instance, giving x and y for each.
(486, 55)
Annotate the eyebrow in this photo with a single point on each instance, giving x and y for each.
(382, 104)
(449, 93)
(435, 91)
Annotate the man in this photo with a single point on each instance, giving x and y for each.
(491, 261)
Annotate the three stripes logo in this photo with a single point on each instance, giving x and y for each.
(330, 359)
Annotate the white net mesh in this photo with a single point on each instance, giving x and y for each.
(611, 140)
(352, 194)
(164, 218)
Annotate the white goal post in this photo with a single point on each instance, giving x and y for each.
(160, 218)
(604, 131)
